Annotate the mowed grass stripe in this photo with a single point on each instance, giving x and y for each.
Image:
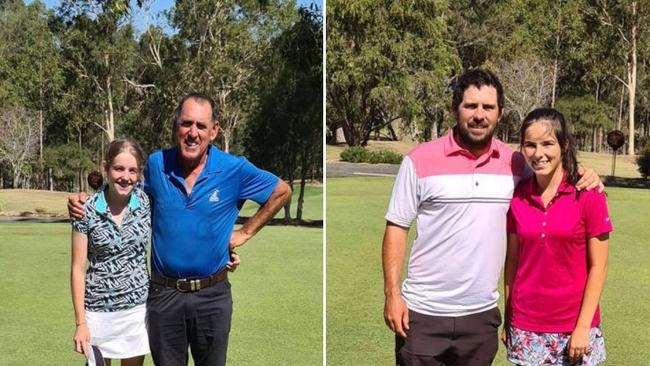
(277, 293)
(356, 333)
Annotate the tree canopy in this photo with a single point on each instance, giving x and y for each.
(75, 77)
(389, 63)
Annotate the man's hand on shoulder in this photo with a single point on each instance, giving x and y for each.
(396, 314)
(76, 205)
(589, 179)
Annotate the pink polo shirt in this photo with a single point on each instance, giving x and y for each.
(552, 271)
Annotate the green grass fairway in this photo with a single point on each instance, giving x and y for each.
(356, 334)
(277, 293)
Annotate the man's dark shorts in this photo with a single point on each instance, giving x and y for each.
(470, 340)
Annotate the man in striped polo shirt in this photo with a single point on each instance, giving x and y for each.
(458, 189)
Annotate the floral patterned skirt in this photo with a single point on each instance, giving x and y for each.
(536, 349)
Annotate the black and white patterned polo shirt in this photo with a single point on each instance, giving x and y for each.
(117, 277)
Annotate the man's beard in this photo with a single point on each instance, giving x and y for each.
(473, 142)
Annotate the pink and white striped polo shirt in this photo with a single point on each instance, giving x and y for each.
(460, 204)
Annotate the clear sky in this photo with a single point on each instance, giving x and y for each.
(144, 18)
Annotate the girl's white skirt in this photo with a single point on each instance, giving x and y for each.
(119, 334)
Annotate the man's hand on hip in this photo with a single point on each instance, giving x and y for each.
(396, 314)
(76, 205)
(238, 238)
(234, 262)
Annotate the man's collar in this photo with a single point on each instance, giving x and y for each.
(212, 165)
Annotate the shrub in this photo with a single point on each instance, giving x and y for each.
(384, 157)
(643, 160)
(357, 154)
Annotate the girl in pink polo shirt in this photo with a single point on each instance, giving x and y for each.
(556, 261)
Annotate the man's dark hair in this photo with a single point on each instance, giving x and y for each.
(477, 78)
(198, 97)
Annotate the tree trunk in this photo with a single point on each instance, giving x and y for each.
(619, 121)
(435, 129)
(599, 138)
(226, 140)
(16, 172)
(303, 179)
(391, 131)
(80, 172)
(632, 82)
(350, 134)
(40, 135)
(594, 136)
(556, 61)
(287, 207)
(110, 120)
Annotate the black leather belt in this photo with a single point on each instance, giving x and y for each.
(189, 285)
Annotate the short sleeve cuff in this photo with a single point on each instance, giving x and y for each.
(399, 221)
(80, 225)
(604, 229)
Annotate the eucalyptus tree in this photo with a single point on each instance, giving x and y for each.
(285, 134)
(98, 47)
(386, 61)
(589, 118)
(18, 140)
(225, 41)
(30, 72)
(626, 22)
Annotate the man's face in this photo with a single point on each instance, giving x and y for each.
(477, 117)
(195, 131)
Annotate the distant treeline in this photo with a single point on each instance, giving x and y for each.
(74, 78)
(390, 64)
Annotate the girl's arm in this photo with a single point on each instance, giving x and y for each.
(598, 249)
(78, 288)
(509, 270)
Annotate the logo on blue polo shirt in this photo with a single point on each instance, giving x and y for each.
(214, 197)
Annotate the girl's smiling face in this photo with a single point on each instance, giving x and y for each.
(541, 148)
(123, 173)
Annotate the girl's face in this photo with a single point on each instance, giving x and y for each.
(542, 149)
(123, 173)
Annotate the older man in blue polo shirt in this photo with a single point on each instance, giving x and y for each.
(196, 192)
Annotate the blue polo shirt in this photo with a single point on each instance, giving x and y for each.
(191, 233)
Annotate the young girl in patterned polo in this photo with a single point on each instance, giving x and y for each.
(556, 261)
(109, 297)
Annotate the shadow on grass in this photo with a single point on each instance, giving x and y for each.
(291, 222)
(30, 218)
(626, 182)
